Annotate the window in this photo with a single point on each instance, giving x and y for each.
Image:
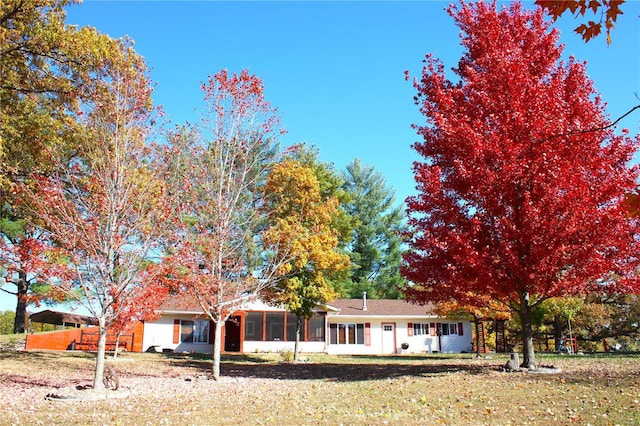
(194, 331)
(291, 328)
(359, 334)
(253, 326)
(448, 329)
(275, 325)
(346, 334)
(316, 329)
(260, 326)
(420, 329)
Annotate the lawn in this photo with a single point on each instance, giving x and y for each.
(260, 389)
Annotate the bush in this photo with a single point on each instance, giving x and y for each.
(7, 318)
(286, 355)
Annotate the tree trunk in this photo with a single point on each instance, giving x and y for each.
(115, 350)
(296, 347)
(98, 378)
(217, 344)
(478, 348)
(557, 332)
(21, 306)
(528, 355)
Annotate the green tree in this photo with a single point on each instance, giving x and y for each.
(375, 243)
(300, 222)
(7, 319)
(560, 311)
(615, 317)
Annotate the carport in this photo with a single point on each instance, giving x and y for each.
(64, 319)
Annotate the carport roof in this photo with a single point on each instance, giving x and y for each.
(60, 318)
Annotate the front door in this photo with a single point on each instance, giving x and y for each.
(388, 338)
(232, 329)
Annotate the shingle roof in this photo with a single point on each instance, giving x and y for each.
(375, 307)
(180, 303)
(380, 307)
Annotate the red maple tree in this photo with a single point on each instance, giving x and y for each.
(518, 199)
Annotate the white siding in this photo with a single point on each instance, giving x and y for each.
(417, 344)
(273, 346)
(159, 333)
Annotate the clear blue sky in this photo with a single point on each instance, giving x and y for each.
(334, 70)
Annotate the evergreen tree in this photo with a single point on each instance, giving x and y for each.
(375, 244)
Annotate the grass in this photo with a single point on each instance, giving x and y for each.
(259, 389)
(12, 341)
(12, 338)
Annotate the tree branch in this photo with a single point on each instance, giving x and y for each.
(7, 291)
(594, 129)
(34, 91)
(597, 129)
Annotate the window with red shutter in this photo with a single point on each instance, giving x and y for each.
(460, 332)
(410, 329)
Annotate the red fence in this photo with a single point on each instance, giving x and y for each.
(85, 339)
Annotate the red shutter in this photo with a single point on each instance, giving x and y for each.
(176, 331)
(367, 334)
(410, 329)
(212, 331)
(460, 332)
(432, 329)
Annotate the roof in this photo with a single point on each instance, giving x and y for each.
(180, 303)
(380, 307)
(345, 307)
(60, 318)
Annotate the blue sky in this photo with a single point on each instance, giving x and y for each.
(335, 70)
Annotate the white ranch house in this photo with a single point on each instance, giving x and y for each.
(344, 326)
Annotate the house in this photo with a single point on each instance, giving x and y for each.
(344, 326)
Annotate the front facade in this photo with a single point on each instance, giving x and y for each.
(344, 326)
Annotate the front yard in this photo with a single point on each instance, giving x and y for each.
(260, 389)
